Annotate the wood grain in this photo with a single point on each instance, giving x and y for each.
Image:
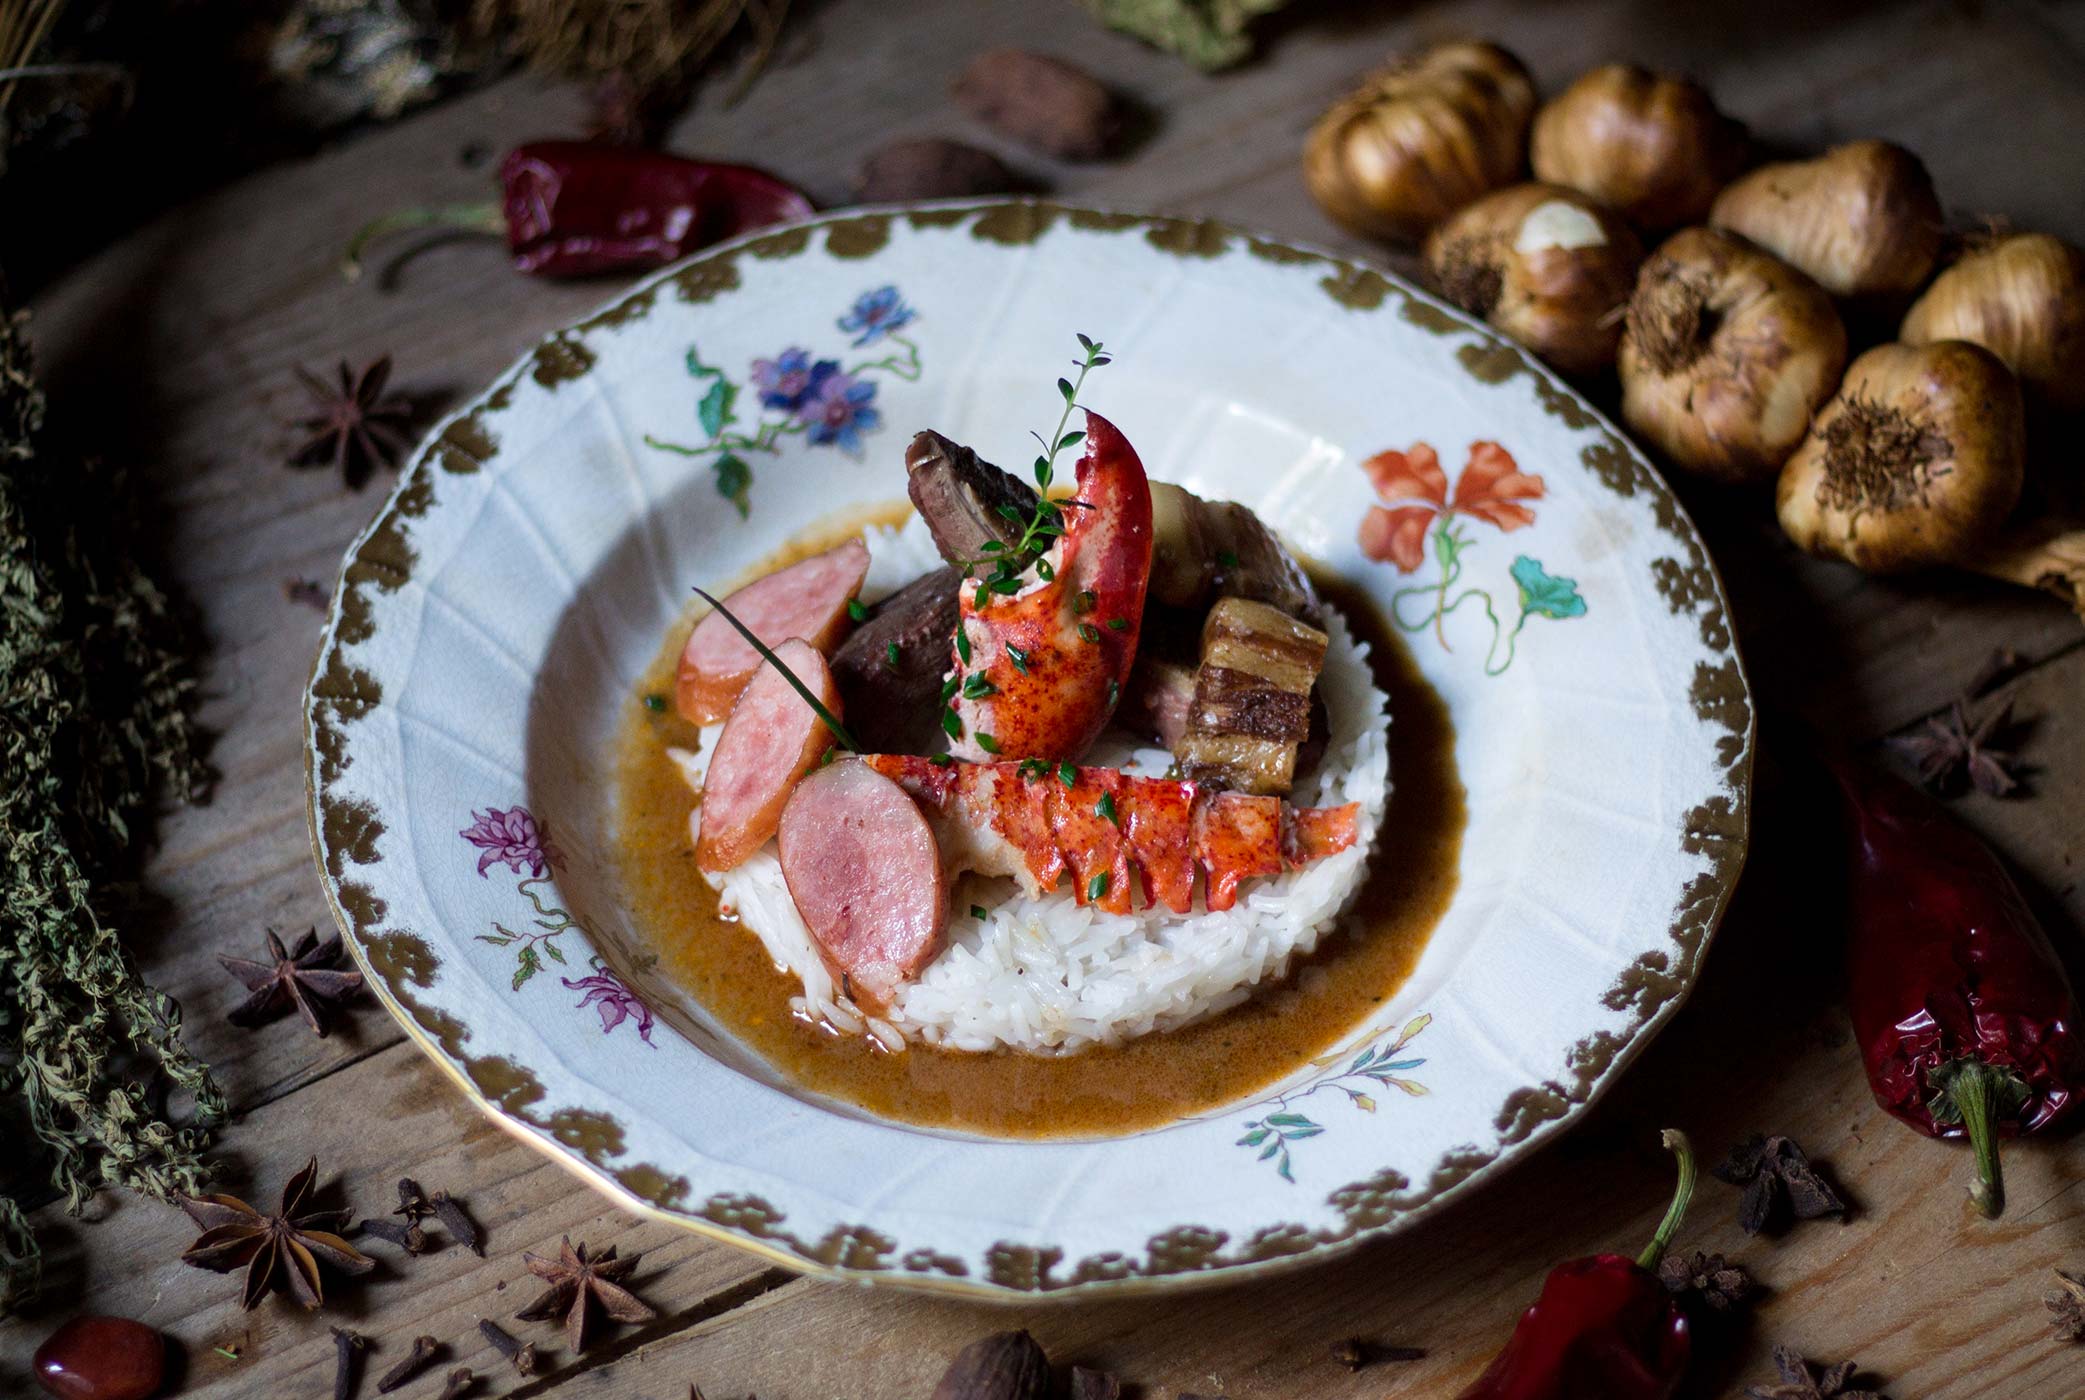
(176, 345)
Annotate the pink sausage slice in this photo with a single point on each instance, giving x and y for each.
(808, 600)
(865, 873)
(771, 739)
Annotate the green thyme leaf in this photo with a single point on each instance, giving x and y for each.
(941, 760)
(1088, 632)
(655, 703)
(1031, 768)
(963, 643)
(1082, 602)
(1118, 624)
(948, 689)
(977, 911)
(951, 723)
(1043, 570)
(890, 655)
(1064, 388)
(855, 610)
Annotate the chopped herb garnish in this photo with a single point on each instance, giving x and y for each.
(1031, 768)
(655, 703)
(1097, 886)
(993, 546)
(941, 760)
(1226, 558)
(976, 687)
(1088, 632)
(1067, 775)
(1106, 808)
(963, 644)
(951, 725)
(1043, 570)
(767, 654)
(977, 911)
(1008, 584)
(1114, 692)
(1082, 602)
(890, 655)
(1118, 624)
(979, 598)
(1018, 657)
(987, 742)
(948, 689)
(855, 609)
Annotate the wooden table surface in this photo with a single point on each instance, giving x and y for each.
(179, 343)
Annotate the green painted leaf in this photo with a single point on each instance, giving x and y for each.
(1298, 1134)
(1283, 1168)
(734, 482)
(527, 966)
(1288, 1120)
(1545, 594)
(1416, 1090)
(714, 411)
(555, 955)
(1255, 1137)
(1272, 1148)
(1364, 1103)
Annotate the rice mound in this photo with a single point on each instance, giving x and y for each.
(1049, 977)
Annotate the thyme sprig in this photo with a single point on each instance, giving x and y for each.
(1045, 522)
(767, 654)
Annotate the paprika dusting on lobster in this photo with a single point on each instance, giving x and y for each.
(1044, 646)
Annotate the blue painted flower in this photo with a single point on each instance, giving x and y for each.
(876, 314)
(837, 411)
(791, 378)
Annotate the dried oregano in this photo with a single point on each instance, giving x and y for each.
(94, 721)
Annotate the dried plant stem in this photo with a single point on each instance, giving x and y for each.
(24, 25)
(654, 44)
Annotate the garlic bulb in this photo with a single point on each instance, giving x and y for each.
(1726, 350)
(1653, 149)
(1917, 460)
(1544, 264)
(2022, 297)
(1420, 140)
(1862, 219)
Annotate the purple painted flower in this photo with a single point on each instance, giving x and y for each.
(876, 314)
(606, 993)
(514, 839)
(789, 379)
(838, 412)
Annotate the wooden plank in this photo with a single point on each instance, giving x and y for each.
(191, 326)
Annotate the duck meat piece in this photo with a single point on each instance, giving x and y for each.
(964, 499)
(1183, 562)
(1251, 706)
(1251, 563)
(890, 668)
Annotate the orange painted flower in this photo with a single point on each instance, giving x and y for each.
(1414, 492)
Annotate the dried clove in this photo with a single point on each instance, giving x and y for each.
(460, 1380)
(449, 1211)
(1354, 1353)
(2067, 1308)
(1089, 1384)
(522, 1354)
(347, 1347)
(410, 1238)
(1800, 1382)
(1003, 1366)
(415, 1362)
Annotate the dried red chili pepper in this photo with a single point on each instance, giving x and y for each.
(1964, 1015)
(575, 208)
(1605, 1327)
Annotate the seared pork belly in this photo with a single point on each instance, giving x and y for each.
(1251, 706)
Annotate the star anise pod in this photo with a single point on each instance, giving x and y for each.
(1951, 748)
(577, 1285)
(1719, 1284)
(355, 426)
(2067, 1308)
(1775, 1171)
(306, 979)
(283, 1250)
(1797, 1382)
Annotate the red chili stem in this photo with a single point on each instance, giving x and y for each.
(479, 217)
(1676, 1143)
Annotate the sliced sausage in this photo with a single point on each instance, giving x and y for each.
(865, 872)
(895, 696)
(771, 739)
(808, 600)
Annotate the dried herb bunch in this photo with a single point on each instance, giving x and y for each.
(94, 706)
(650, 44)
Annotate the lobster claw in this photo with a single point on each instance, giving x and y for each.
(1038, 670)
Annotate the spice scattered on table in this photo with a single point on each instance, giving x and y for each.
(521, 1354)
(1778, 1179)
(1042, 102)
(2067, 1306)
(353, 426)
(347, 1360)
(306, 592)
(1962, 1009)
(929, 167)
(579, 1285)
(580, 209)
(416, 1360)
(1090, 1384)
(1604, 1327)
(1002, 1366)
(1950, 747)
(416, 1204)
(1356, 1354)
(101, 1358)
(284, 1250)
(1799, 1382)
(309, 980)
(457, 1384)
(410, 1238)
(1719, 1284)
(1210, 34)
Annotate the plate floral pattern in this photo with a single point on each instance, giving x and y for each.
(490, 626)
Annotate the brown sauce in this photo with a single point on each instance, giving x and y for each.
(1149, 1082)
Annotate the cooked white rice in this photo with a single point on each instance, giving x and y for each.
(1046, 976)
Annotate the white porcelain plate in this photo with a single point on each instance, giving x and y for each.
(491, 624)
